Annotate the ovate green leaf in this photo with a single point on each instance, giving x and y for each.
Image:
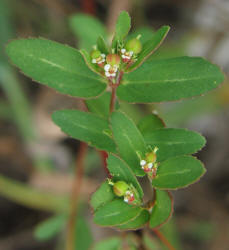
(138, 222)
(178, 172)
(102, 195)
(123, 25)
(55, 65)
(162, 208)
(169, 80)
(122, 172)
(87, 29)
(116, 212)
(150, 46)
(129, 140)
(173, 142)
(86, 127)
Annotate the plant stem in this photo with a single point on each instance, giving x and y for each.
(74, 202)
(113, 99)
(163, 239)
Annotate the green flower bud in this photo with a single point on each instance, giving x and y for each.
(95, 54)
(152, 156)
(134, 45)
(120, 188)
(113, 59)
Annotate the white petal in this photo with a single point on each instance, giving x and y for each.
(103, 55)
(150, 165)
(131, 53)
(123, 51)
(107, 67)
(126, 199)
(142, 162)
(107, 74)
(93, 60)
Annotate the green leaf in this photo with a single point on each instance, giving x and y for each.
(87, 29)
(116, 212)
(150, 243)
(138, 222)
(129, 140)
(102, 195)
(169, 80)
(83, 235)
(114, 243)
(150, 46)
(100, 105)
(50, 227)
(173, 142)
(123, 25)
(178, 172)
(55, 65)
(102, 46)
(162, 209)
(86, 127)
(122, 172)
(149, 123)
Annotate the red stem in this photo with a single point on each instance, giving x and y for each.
(74, 202)
(163, 239)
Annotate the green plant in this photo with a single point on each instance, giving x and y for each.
(123, 71)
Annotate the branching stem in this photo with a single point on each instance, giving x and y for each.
(74, 202)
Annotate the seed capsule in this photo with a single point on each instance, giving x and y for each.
(120, 188)
(134, 45)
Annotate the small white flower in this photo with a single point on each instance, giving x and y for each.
(150, 165)
(131, 53)
(126, 199)
(123, 51)
(107, 67)
(93, 60)
(103, 55)
(107, 74)
(142, 162)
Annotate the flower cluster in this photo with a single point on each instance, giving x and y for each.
(149, 164)
(112, 63)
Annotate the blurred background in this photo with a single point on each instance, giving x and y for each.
(37, 160)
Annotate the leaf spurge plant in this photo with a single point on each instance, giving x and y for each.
(124, 71)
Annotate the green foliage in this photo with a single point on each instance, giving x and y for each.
(178, 172)
(113, 243)
(162, 208)
(163, 154)
(169, 80)
(129, 140)
(174, 142)
(87, 29)
(86, 127)
(55, 65)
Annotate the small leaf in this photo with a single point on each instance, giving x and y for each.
(83, 235)
(102, 46)
(162, 209)
(114, 243)
(116, 212)
(169, 80)
(50, 227)
(178, 172)
(149, 123)
(57, 66)
(138, 222)
(129, 140)
(102, 195)
(122, 172)
(87, 29)
(173, 142)
(86, 127)
(100, 105)
(150, 46)
(123, 25)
